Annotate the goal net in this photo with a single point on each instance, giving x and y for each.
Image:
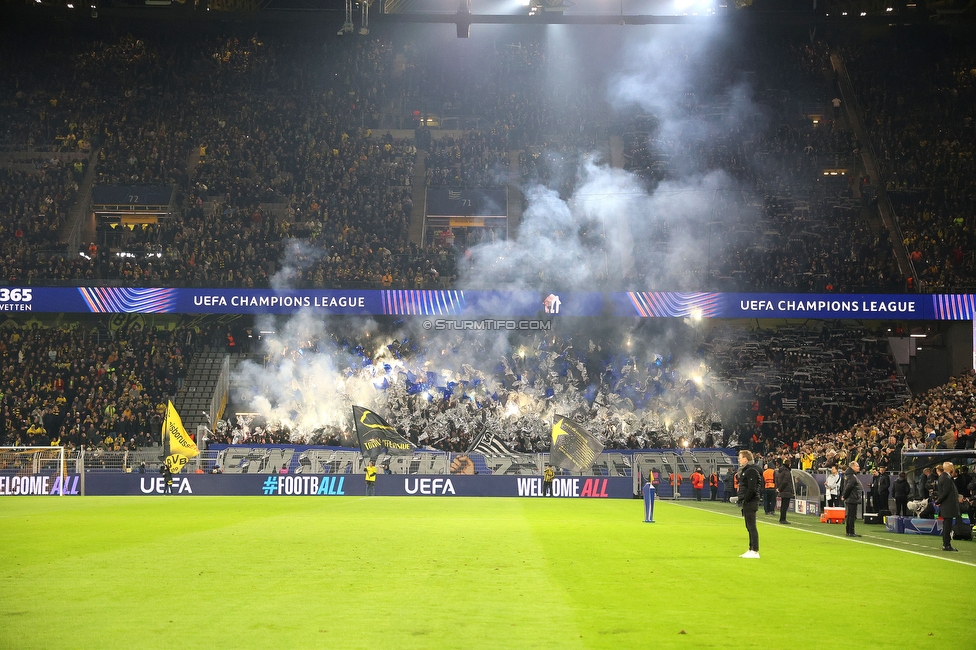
(32, 470)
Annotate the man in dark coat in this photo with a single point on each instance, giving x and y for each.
(729, 485)
(922, 484)
(851, 494)
(882, 492)
(962, 482)
(972, 499)
(871, 504)
(902, 490)
(750, 482)
(784, 488)
(947, 497)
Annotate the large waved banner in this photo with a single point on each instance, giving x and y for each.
(326, 485)
(449, 307)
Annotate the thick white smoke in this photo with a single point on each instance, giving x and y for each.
(612, 229)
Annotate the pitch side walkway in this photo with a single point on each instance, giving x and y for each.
(872, 534)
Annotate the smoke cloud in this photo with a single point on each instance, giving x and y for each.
(614, 230)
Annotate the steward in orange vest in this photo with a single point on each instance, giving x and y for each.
(675, 481)
(769, 494)
(713, 486)
(697, 483)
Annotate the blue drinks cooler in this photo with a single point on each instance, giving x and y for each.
(648, 503)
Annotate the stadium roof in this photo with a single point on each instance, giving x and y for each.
(853, 13)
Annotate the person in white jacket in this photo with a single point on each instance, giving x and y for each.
(832, 487)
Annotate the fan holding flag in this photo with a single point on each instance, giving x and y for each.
(178, 446)
(377, 436)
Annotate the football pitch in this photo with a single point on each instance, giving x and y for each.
(429, 572)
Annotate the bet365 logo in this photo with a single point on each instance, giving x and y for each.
(16, 295)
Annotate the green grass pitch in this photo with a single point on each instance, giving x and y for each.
(235, 572)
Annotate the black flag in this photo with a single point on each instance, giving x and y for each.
(573, 448)
(376, 436)
(487, 444)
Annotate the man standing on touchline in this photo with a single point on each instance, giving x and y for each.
(851, 496)
(784, 486)
(748, 500)
(947, 498)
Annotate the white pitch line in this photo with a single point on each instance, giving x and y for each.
(845, 539)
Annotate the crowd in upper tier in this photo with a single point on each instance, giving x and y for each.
(283, 174)
(273, 145)
(917, 96)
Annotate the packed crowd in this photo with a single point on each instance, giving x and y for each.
(34, 206)
(787, 223)
(89, 388)
(807, 382)
(940, 418)
(281, 181)
(474, 159)
(258, 138)
(917, 95)
(765, 390)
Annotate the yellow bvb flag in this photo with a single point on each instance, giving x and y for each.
(181, 445)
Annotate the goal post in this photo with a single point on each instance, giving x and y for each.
(33, 470)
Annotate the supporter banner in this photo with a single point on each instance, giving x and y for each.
(40, 485)
(488, 304)
(326, 485)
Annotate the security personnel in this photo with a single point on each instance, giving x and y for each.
(713, 485)
(371, 479)
(675, 480)
(697, 483)
(769, 496)
(547, 475)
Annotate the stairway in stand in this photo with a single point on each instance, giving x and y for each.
(198, 389)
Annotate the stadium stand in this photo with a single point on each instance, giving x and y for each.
(916, 97)
(282, 177)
